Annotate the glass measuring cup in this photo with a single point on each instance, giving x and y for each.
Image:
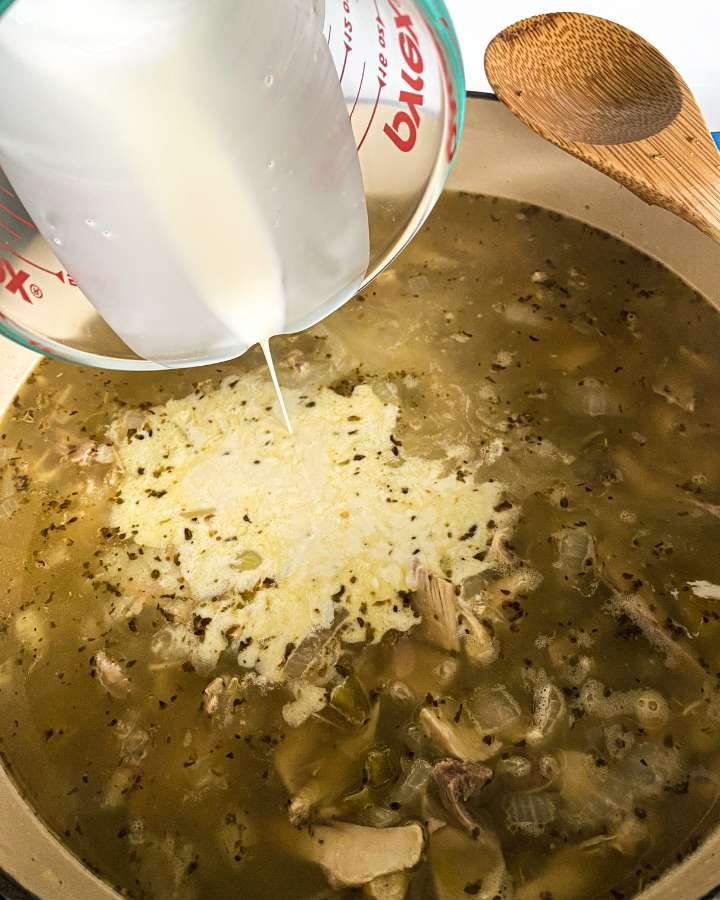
(400, 72)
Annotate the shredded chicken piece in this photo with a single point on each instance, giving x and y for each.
(111, 675)
(477, 641)
(221, 699)
(312, 646)
(436, 602)
(626, 838)
(635, 608)
(449, 622)
(500, 549)
(313, 774)
(459, 781)
(88, 452)
(212, 694)
(458, 739)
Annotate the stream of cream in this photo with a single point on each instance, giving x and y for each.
(265, 344)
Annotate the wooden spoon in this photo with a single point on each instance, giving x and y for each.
(604, 94)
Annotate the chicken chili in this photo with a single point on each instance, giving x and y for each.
(457, 637)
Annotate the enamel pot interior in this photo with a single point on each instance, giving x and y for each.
(499, 156)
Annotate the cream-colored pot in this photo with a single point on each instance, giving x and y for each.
(499, 156)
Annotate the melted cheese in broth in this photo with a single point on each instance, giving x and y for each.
(337, 514)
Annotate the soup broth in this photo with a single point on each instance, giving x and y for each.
(458, 636)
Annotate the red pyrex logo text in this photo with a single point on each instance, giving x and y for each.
(403, 131)
(14, 280)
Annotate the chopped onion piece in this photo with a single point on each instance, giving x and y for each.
(493, 709)
(529, 813)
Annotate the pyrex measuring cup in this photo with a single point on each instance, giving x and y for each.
(400, 73)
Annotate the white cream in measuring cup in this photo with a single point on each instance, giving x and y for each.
(211, 174)
(166, 151)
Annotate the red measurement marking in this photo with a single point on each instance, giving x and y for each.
(347, 53)
(381, 70)
(357, 96)
(4, 190)
(18, 218)
(10, 231)
(372, 116)
(59, 275)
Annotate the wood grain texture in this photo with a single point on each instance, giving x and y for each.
(607, 96)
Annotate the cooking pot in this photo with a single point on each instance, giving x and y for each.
(499, 156)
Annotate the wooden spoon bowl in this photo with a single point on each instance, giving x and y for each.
(604, 94)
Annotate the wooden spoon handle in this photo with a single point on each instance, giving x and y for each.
(676, 169)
